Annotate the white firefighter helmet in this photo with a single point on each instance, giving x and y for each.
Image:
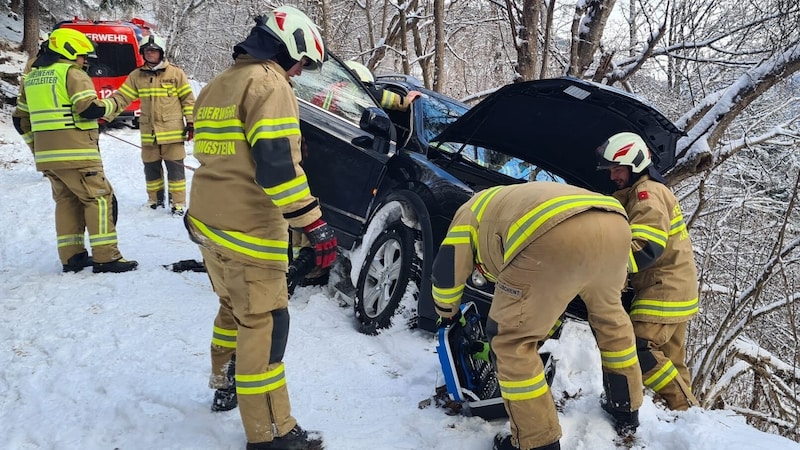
(363, 73)
(300, 35)
(624, 149)
(152, 40)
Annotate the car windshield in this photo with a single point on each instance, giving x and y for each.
(334, 89)
(439, 112)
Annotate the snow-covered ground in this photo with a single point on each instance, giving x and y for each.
(120, 361)
(102, 361)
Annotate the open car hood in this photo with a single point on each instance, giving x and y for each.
(557, 124)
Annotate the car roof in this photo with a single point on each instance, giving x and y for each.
(557, 124)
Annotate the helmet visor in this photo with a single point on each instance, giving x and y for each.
(310, 64)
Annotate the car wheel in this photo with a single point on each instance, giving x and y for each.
(389, 270)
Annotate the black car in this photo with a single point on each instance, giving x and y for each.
(390, 182)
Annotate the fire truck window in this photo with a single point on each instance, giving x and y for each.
(113, 60)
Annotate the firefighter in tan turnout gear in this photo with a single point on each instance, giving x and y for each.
(59, 106)
(249, 190)
(662, 270)
(167, 105)
(543, 244)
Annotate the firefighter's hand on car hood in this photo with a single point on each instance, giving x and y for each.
(322, 238)
(188, 132)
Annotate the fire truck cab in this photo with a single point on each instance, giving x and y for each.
(117, 48)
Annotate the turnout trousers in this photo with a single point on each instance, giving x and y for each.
(662, 355)
(172, 155)
(84, 202)
(253, 322)
(585, 255)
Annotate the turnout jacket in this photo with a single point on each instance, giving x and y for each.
(249, 185)
(663, 274)
(490, 229)
(166, 100)
(50, 107)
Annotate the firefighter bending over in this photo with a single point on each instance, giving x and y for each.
(542, 244)
(663, 274)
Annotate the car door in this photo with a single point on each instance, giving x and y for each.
(344, 170)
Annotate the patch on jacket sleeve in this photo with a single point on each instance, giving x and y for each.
(643, 195)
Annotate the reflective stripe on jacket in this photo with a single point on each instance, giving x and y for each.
(662, 267)
(250, 187)
(166, 100)
(65, 87)
(496, 224)
(48, 102)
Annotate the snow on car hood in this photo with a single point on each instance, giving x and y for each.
(558, 123)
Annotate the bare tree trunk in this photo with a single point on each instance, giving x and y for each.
(438, 45)
(587, 29)
(30, 36)
(528, 43)
(424, 59)
(548, 29)
(632, 27)
(322, 20)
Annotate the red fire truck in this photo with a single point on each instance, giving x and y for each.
(117, 48)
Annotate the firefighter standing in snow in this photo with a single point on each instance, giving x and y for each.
(59, 107)
(167, 105)
(663, 274)
(246, 194)
(542, 244)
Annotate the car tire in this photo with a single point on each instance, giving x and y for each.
(390, 267)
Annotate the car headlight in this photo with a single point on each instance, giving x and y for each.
(478, 280)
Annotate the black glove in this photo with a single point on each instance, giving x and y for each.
(444, 322)
(102, 126)
(188, 132)
(322, 238)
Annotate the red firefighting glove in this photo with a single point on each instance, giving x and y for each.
(323, 240)
(188, 132)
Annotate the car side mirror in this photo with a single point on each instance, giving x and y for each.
(376, 122)
(363, 141)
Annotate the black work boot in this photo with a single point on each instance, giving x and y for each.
(77, 262)
(159, 203)
(502, 441)
(118, 266)
(225, 399)
(296, 439)
(625, 422)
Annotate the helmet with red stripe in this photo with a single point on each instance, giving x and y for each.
(624, 149)
(300, 35)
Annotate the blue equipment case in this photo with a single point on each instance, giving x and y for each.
(473, 382)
